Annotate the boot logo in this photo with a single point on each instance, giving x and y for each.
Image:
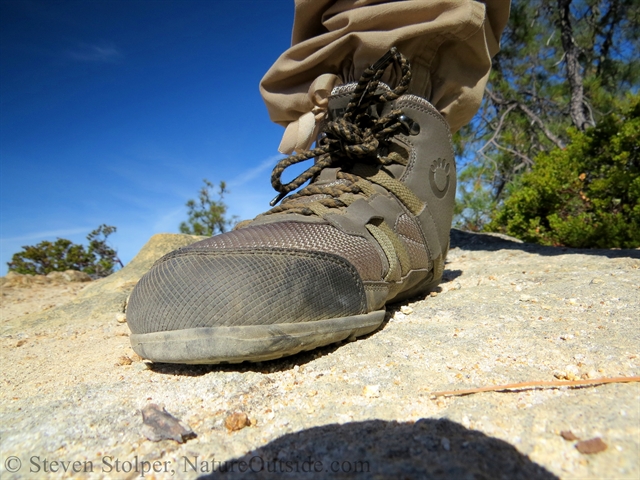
(439, 174)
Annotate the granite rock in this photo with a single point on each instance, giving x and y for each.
(506, 312)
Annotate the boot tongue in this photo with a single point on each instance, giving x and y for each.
(341, 96)
(339, 99)
(327, 176)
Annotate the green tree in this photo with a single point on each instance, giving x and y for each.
(563, 63)
(98, 260)
(206, 215)
(104, 257)
(475, 203)
(586, 195)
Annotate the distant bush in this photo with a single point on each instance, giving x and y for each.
(97, 260)
(207, 216)
(586, 195)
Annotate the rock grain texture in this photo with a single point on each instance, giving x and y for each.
(73, 390)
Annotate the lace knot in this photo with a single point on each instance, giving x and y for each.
(353, 137)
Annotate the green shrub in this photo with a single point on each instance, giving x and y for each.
(207, 216)
(586, 195)
(98, 260)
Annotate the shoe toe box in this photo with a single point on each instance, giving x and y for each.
(212, 288)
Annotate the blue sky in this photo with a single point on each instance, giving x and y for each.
(113, 111)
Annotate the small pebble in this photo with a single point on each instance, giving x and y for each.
(591, 446)
(121, 317)
(124, 360)
(141, 366)
(406, 310)
(568, 435)
(446, 444)
(237, 421)
(572, 372)
(158, 424)
(456, 286)
(371, 391)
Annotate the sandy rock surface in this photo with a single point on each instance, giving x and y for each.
(73, 390)
(24, 294)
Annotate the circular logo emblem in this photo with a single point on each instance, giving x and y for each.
(439, 177)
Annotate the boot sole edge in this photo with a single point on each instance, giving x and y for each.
(254, 343)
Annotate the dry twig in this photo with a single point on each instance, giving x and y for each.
(535, 384)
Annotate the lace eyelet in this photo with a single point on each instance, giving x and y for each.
(412, 128)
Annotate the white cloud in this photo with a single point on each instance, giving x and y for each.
(49, 234)
(94, 53)
(254, 172)
(169, 222)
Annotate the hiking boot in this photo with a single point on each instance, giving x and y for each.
(371, 227)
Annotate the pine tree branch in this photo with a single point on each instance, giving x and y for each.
(538, 121)
(609, 22)
(522, 156)
(496, 132)
(528, 112)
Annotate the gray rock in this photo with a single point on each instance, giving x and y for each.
(69, 276)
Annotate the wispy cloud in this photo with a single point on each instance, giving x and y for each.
(170, 220)
(94, 53)
(254, 172)
(48, 234)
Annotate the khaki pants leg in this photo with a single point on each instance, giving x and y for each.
(448, 42)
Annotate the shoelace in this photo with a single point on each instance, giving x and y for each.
(352, 143)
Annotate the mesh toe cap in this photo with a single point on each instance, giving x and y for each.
(205, 288)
